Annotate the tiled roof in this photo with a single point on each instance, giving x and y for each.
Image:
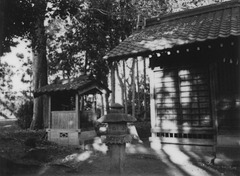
(195, 25)
(82, 83)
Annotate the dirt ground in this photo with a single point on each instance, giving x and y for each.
(19, 156)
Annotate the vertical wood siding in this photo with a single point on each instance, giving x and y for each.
(64, 120)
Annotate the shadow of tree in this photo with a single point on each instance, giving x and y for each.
(141, 160)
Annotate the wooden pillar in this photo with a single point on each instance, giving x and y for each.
(103, 105)
(49, 112)
(155, 141)
(125, 87)
(138, 87)
(77, 110)
(133, 87)
(113, 82)
(152, 100)
(144, 89)
(213, 84)
(94, 103)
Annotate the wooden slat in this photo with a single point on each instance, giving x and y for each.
(64, 120)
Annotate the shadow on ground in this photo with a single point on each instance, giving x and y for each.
(140, 161)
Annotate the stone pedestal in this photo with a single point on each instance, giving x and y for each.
(117, 158)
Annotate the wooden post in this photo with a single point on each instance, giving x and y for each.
(103, 105)
(138, 88)
(213, 84)
(133, 88)
(49, 112)
(144, 89)
(155, 142)
(125, 87)
(77, 110)
(152, 100)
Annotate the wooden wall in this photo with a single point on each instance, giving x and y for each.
(196, 92)
(64, 120)
(182, 103)
(182, 97)
(228, 96)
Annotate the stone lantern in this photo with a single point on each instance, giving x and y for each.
(117, 136)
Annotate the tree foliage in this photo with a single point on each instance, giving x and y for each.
(7, 96)
(26, 19)
(86, 36)
(26, 75)
(24, 114)
(72, 36)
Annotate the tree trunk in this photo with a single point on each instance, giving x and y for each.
(121, 84)
(125, 86)
(86, 63)
(2, 5)
(39, 74)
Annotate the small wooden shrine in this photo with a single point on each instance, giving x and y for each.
(194, 75)
(73, 109)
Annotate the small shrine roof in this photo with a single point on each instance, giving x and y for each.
(211, 22)
(82, 84)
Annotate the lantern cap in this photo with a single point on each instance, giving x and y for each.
(116, 117)
(116, 106)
